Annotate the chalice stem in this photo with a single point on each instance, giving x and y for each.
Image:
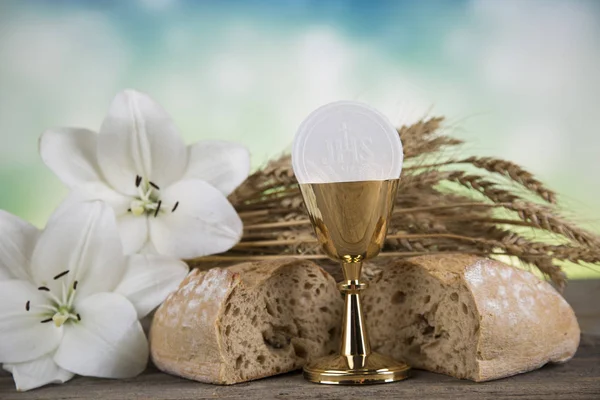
(355, 339)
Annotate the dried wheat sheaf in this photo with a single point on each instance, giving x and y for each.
(475, 205)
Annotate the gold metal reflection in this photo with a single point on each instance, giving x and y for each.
(350, 220)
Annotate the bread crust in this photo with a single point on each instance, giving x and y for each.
(191, 332)
(485, 320)
(184, 336)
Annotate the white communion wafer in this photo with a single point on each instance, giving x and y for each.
(346, 141)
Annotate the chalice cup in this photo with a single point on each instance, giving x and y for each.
(348, 158)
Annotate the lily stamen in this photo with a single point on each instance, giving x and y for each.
(157, 208)
(62, 308)
(65, 293)
(175, 207)
(147, 202)
(61, 275)
(45, 307)
(71, 299)
(54, 297)
(27, 305)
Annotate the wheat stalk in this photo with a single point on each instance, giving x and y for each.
(443, 207)
(504, 168)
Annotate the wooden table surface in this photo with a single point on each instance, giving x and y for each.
(577, 379)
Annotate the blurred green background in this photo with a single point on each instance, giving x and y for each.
(516, 79)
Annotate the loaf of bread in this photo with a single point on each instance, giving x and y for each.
(468, 317)
(464, 316)
(246, 322)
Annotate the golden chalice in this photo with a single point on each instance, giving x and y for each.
(347, 158)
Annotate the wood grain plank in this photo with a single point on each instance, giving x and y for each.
(577, 379)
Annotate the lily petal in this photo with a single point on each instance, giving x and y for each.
(17, 243)
(39, 372)
(108, 342)
(22, 335)
(149, 248)
(85, 242)
(71, 154)
(134, 232)
(222, 164)
(149, 280)
(138, 137)
(203, 223)
(92, 191)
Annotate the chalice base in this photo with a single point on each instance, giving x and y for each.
(356, 370)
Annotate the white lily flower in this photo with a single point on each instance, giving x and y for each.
(167, 198)
(70, 301)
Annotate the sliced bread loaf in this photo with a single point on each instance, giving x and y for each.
(468, 317)
(246, 322)
(464, 316)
